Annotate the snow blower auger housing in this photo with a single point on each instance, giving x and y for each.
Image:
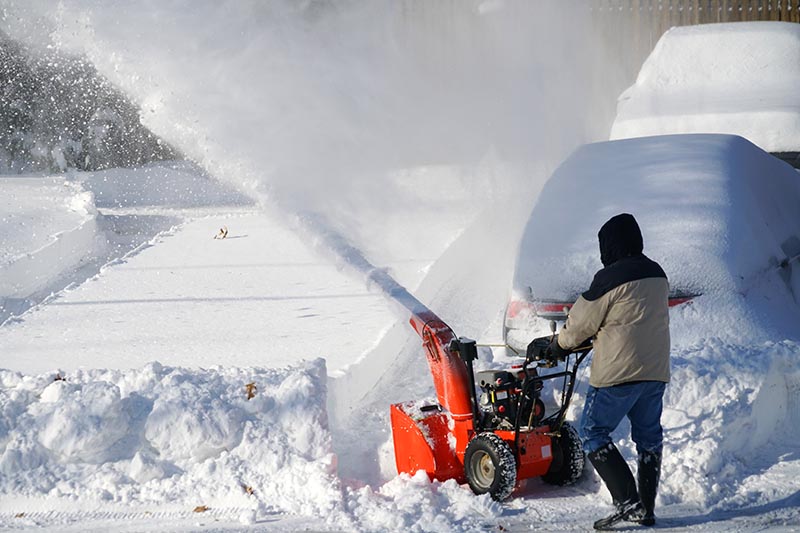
(493, 441)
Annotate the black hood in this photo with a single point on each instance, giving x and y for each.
(620, 237)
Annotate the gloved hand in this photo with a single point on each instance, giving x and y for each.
(537, 349)
(555, 352)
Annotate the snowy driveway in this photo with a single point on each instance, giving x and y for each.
(260, 297)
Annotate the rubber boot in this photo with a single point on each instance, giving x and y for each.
(614, 472)
(649, 473)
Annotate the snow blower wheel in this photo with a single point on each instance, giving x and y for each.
(568, 459)
(490, 466)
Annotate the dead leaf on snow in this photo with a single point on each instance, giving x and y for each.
(223, 232)
(251, 390)
(201, 509)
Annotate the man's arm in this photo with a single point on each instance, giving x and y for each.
(583, 322)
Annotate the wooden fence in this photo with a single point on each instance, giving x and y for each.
(632, 27)
(667, 13)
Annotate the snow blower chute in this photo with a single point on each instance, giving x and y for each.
(493, 441)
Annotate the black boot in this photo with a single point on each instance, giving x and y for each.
(649, 473)
(614, 471)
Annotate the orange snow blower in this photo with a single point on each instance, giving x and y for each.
(495, 440)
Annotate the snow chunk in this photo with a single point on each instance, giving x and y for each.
(189, 428)
(85, 422)
(414, 503)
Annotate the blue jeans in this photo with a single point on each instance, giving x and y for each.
(604, 408)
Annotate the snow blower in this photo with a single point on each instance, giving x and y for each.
(491, 441)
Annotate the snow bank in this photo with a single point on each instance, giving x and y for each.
(718, 213)
(730, 412)
(738, 78)
(49, 227)
(181, 438)
(163, 434)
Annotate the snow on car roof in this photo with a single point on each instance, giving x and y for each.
(739, 78)
(715, 211)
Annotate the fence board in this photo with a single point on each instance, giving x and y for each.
(636, 25)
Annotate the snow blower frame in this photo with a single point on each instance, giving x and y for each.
(494, 441)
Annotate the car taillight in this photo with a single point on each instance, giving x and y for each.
(679, 300)
(559, 310)
(552, 308)
(515, 307)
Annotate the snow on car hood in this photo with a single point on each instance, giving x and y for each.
(715, 211)
(738, 78)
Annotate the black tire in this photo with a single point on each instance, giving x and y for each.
(568, 458)
(490, 466)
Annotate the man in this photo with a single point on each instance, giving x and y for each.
(626, 311)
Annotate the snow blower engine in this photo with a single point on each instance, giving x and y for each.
(498, 438)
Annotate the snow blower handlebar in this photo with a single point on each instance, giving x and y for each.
(542, 357)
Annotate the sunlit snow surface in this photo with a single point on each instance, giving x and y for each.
(47, 227)
(413, 182)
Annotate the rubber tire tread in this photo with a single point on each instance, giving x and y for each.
(505, 465)
(568, 458)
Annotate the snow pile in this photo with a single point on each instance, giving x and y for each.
(720, 215)
(415, 504)
(250, 441)
(49, 228)
(162, 434)
(729, 412)
(738, 78)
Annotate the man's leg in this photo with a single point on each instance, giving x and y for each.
(602, 413)
(647, 433)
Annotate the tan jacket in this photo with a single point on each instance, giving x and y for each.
(630, 324)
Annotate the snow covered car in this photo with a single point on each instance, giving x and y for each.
(715, 210)
(740, 78)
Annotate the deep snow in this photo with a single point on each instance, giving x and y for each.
(137, 447)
